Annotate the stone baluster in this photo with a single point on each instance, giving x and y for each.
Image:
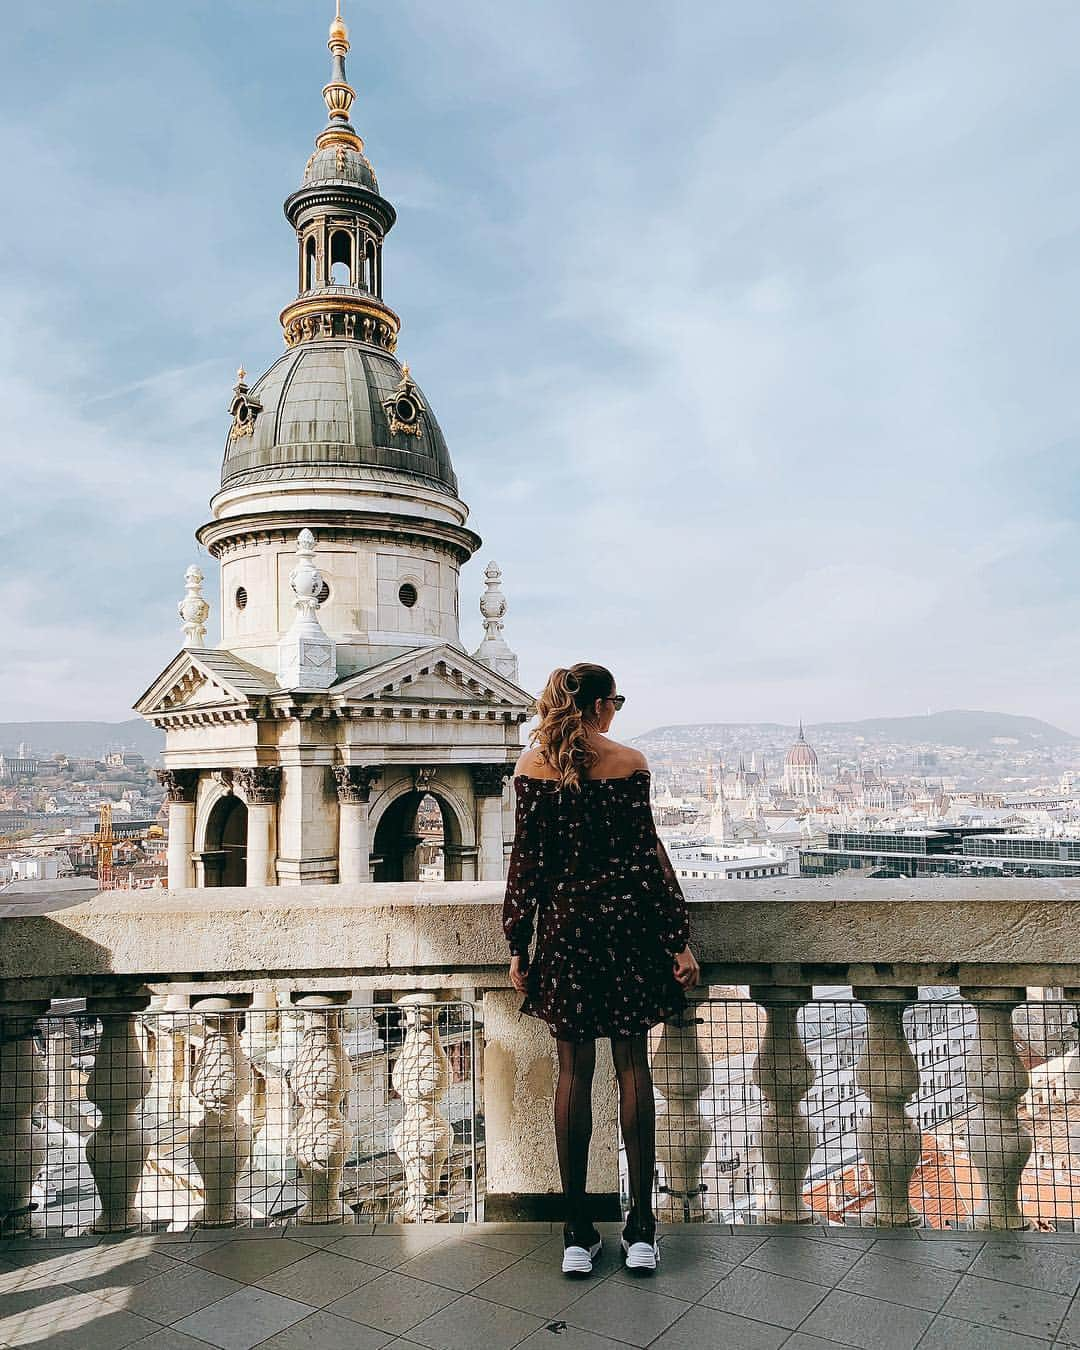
(681, 1073)
(319, 1079)
(180, 787)
(23, 1088)
(261, 1027)
(221, 1142)
(999, 1143)
(354, 783)
(62, 1096)
(889, 1140)
(423, 1136)
(118, 1148)
(784, 1074)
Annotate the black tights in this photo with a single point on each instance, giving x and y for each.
(573, 1125)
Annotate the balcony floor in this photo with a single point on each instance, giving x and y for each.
(494, 1286)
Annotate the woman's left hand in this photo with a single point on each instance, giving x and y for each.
(687, 970)
(519, 973)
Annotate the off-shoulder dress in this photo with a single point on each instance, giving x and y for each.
(589, 870)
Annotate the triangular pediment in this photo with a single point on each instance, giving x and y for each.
(198, 680)
(439, 675)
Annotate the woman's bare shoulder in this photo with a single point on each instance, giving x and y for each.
(532, 764)
(617, 760)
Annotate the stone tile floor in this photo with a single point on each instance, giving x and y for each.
(494, 1286)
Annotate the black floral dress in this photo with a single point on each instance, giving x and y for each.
(609, 909)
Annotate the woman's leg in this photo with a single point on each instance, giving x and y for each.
(637, 1115)
(573, 1127)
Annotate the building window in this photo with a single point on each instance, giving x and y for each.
(324, 593)
(408, 594)
(309, 265)
(240, 598)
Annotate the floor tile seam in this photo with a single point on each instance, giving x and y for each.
(398, 1270)
(1031, 1288)
(985, 1326)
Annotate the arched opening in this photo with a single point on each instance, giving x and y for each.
(341, 253)
(225, 851)
(371, 279)
(417, 838)
(310, 250)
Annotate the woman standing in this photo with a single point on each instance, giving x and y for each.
(612, 956)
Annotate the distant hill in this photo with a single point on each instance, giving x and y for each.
(86, 739)
(970, 730)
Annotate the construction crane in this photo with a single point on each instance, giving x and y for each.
(104, 841)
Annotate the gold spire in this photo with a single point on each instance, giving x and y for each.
(339, 93)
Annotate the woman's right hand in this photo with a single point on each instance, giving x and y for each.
(687, 970)
(519, 973)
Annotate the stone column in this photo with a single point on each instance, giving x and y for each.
(320, 1078)
(220, 1144)
(999, 1143)
(261, 788)
(681, 1073)
(423, 1137)
(784, 1074)
(520, 1070)
(22, 1090)
(354, 783)
(488, 783)
(118, 1148)
(180, 787)
(889, 1140)
(62, 1098)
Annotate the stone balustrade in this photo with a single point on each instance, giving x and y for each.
(304, 951)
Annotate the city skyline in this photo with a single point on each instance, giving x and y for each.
(775, 357)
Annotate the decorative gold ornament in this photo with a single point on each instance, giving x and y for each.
(404, 408)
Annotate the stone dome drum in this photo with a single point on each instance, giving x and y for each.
(336, 409)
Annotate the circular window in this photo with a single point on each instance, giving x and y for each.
(324, 593)
(408, 594)
(241, 598)
(405, 409)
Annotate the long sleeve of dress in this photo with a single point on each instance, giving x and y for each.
(524, 879)
(676, 922)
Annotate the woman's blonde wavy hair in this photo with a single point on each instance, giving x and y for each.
(562, 736)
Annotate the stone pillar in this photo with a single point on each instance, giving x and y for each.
(22, 1090)
(488, 784)
(681, 1073)
(999, 1143)
(119, 1146)
(354, 783)
(320, 1078)
(261, 788)
(520, 1070)
(784, 1074)
(220, 1144)
(180, 788)
(889, 1140)
(423, 1137)
(62, 1096)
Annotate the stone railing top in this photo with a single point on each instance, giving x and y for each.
(447, 934)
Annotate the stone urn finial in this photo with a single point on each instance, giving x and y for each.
(307, 657)
(193, 609)
(493, 650)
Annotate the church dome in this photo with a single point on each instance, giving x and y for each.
(334, 408)
(801, 755)
(339, 163)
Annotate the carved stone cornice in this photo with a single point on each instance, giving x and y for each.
(180, 784)
(488, 779)
(354, 781)
(261, 785)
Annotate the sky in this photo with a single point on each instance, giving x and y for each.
(752, 329)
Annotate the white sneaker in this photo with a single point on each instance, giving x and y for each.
(641, 1255)
(579, 1260)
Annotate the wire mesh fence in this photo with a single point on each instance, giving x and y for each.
(164, 1119)
(868, 1112)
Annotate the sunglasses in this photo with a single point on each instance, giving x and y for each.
(617, 699)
